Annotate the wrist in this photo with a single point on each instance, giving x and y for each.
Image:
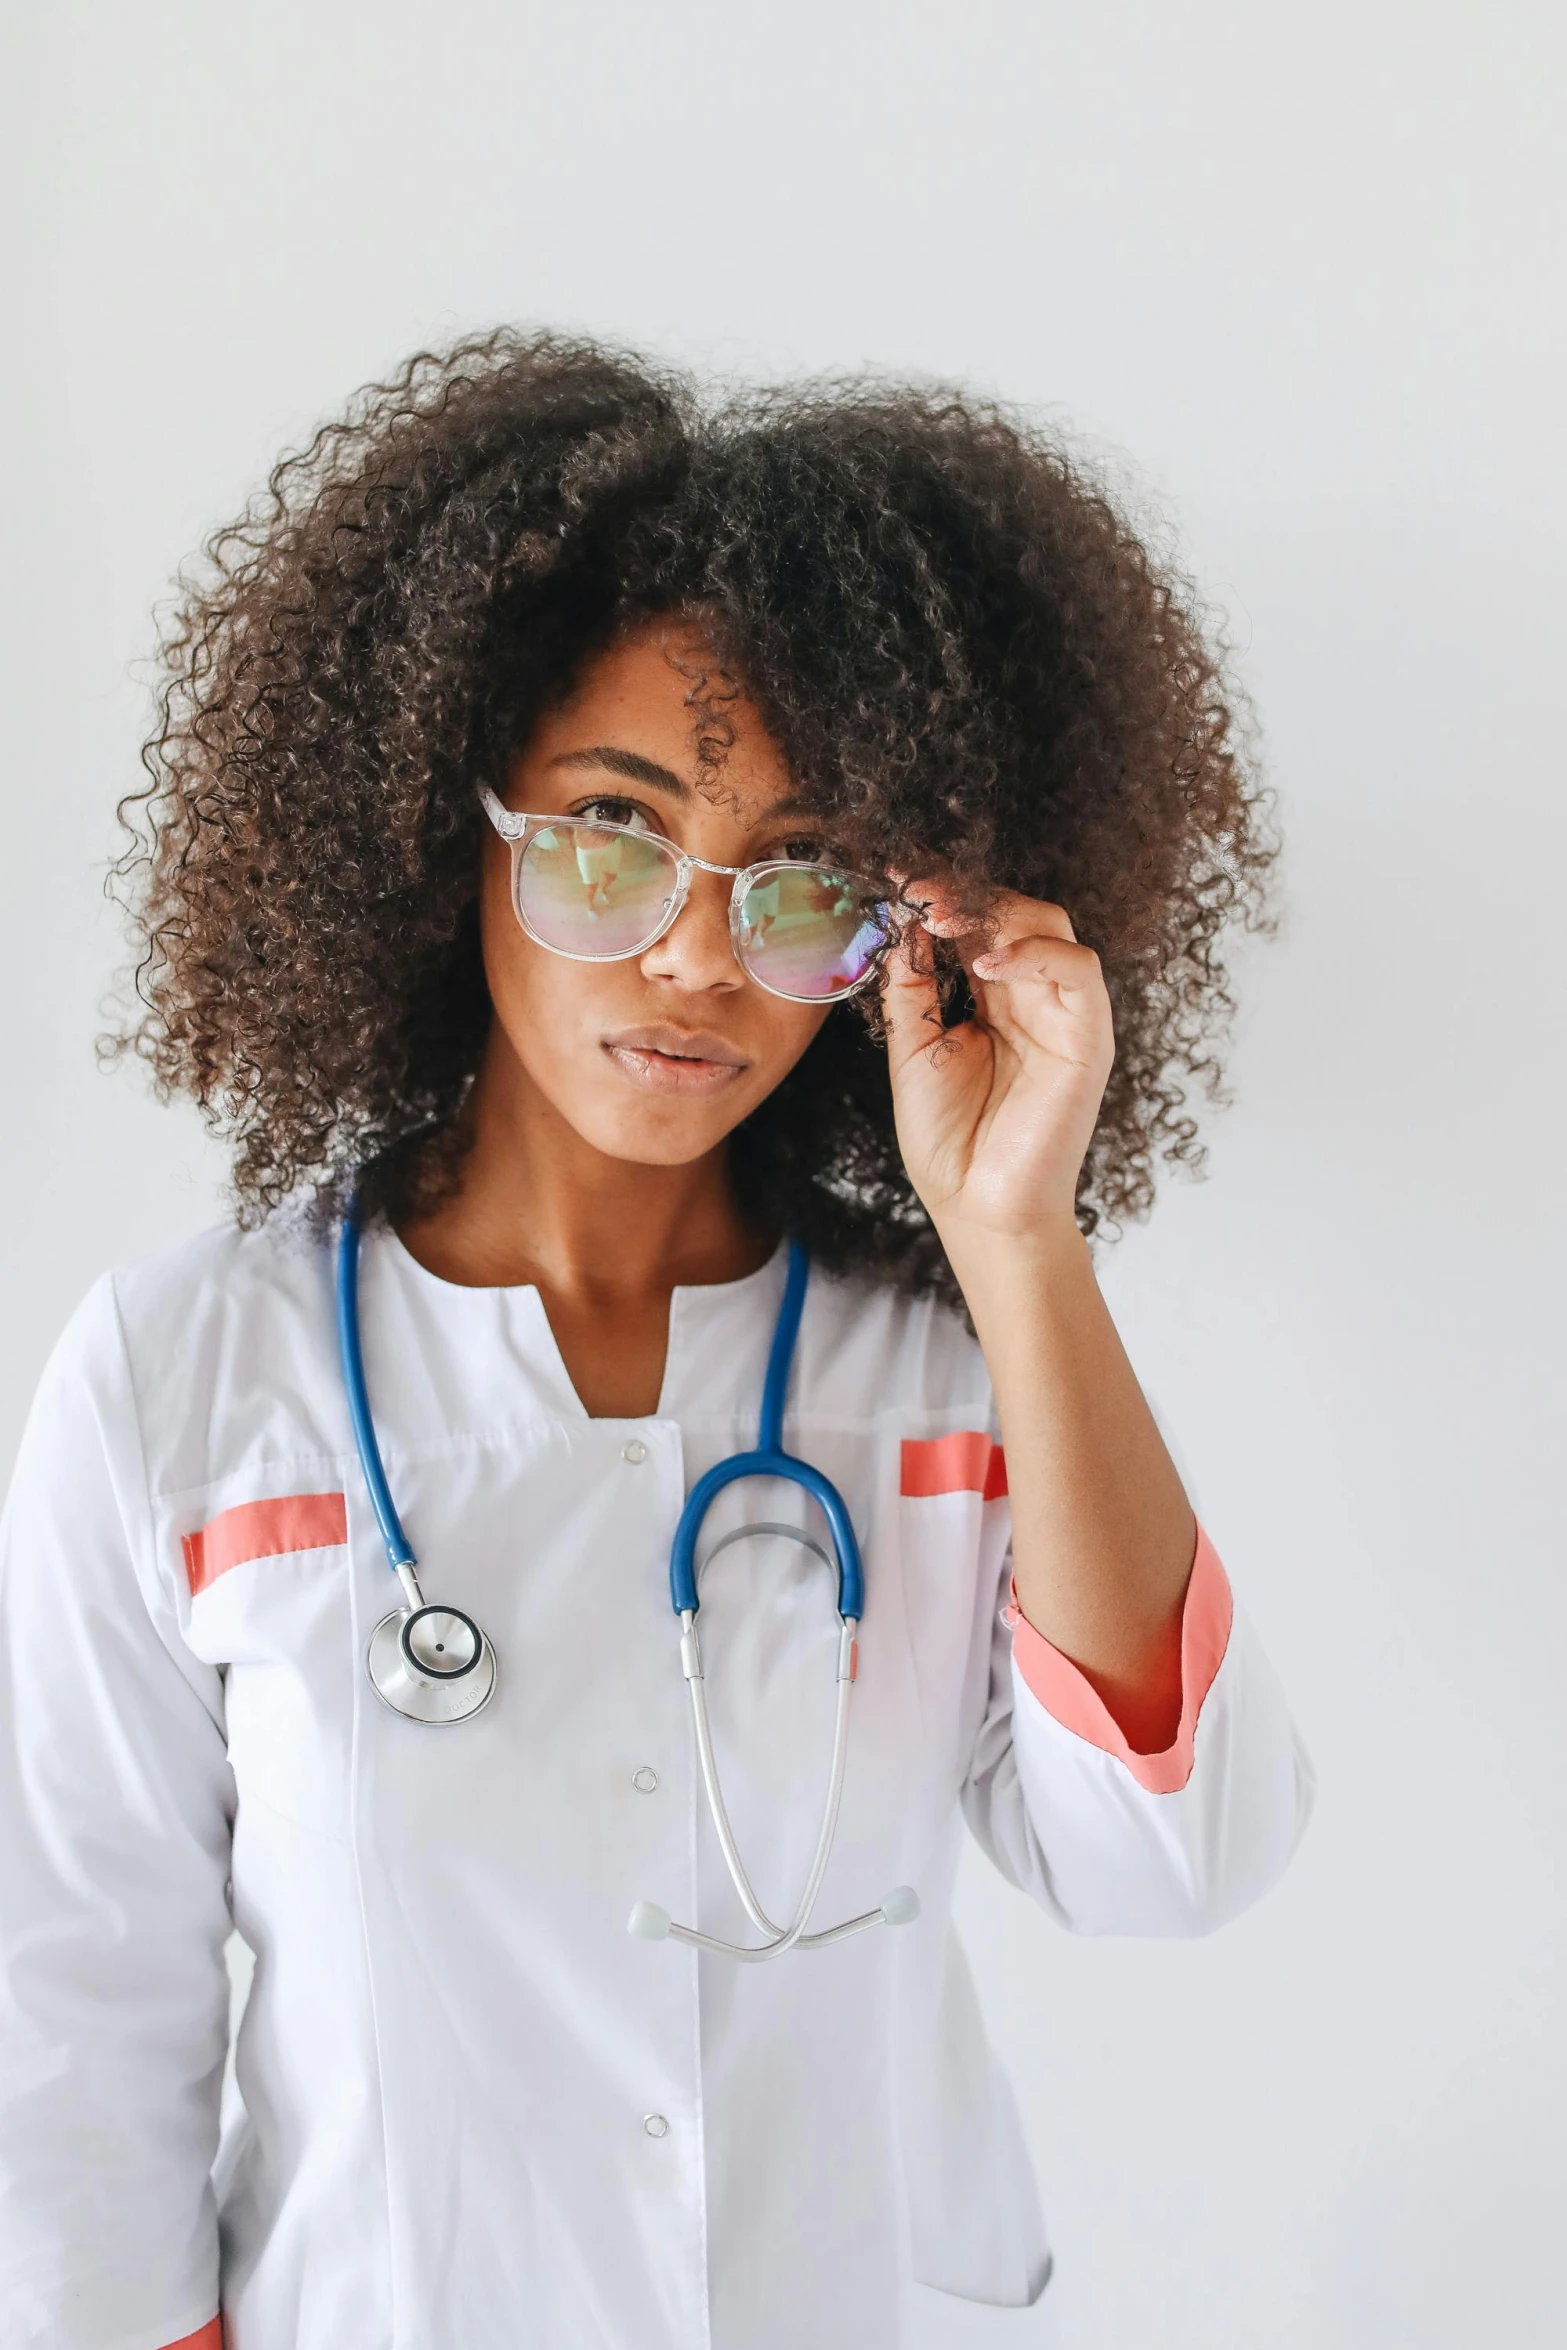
(1006, 1277)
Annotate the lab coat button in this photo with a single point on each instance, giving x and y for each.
(645, 1779)
(655, 2125)
(635, 1452)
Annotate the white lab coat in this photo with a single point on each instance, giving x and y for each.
(477, 2114)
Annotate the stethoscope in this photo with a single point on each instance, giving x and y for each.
(434, 1664)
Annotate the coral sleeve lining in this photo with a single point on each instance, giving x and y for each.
(1071, 1698)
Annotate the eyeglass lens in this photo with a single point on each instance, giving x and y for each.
(807, 932)
(585, 890)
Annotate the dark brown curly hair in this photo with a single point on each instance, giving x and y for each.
(965, 651)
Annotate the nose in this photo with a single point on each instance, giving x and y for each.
(697, 952)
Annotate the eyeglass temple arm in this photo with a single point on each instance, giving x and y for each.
(509, 827)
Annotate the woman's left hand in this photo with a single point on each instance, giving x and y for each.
(994, 1116)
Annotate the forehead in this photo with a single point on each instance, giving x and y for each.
(662, 693)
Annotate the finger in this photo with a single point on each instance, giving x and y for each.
(1014, 916)
(1007, 914)
(938, 909)
(1037, 956)
(910, 1002)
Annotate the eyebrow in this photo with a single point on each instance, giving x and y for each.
(630, 764)
(637, 769)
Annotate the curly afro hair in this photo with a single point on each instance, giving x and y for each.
(966, 653)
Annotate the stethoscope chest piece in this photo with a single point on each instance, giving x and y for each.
(431, 1664)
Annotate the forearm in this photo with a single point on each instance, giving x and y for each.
(1103, 1534)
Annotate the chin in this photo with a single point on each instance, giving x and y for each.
(645, 1137)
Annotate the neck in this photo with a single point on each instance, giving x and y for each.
(536, 1203)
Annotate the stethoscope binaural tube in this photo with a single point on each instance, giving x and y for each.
(648, 1921)
(430, 1663)
(652, 1924)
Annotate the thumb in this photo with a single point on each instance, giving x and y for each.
(910, 1001)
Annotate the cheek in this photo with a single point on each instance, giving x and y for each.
(784, 1032)
(540, 1000)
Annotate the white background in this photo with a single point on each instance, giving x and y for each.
(1292, 270)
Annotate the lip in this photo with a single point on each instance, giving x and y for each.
(674, 1060)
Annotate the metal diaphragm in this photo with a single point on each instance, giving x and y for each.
(431, 1664)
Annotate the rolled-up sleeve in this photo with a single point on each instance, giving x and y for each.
(117, 1804)
(1115, 1842)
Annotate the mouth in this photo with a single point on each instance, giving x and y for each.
(675, 1061)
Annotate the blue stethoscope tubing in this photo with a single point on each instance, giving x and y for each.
(770, 1460)
(399, 1550)
(434, 1664)
(430, 1664)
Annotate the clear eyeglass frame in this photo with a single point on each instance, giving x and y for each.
(517, 829)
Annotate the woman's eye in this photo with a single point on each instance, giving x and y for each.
(802, 852)
(608, 808)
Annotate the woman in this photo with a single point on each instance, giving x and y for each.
(599, 844)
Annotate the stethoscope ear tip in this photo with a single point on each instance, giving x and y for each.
(649, 1923)
(901, 1907)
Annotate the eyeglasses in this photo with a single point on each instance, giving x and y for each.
(601, 892)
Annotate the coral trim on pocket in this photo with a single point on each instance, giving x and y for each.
(260, 1530)
(967, 1461)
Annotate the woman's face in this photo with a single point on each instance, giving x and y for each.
(657, 1057)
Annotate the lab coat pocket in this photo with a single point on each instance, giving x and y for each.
(976, 2233)
(953, 1524)
(269, 1605)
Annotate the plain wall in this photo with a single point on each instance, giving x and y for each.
(1295, 272)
